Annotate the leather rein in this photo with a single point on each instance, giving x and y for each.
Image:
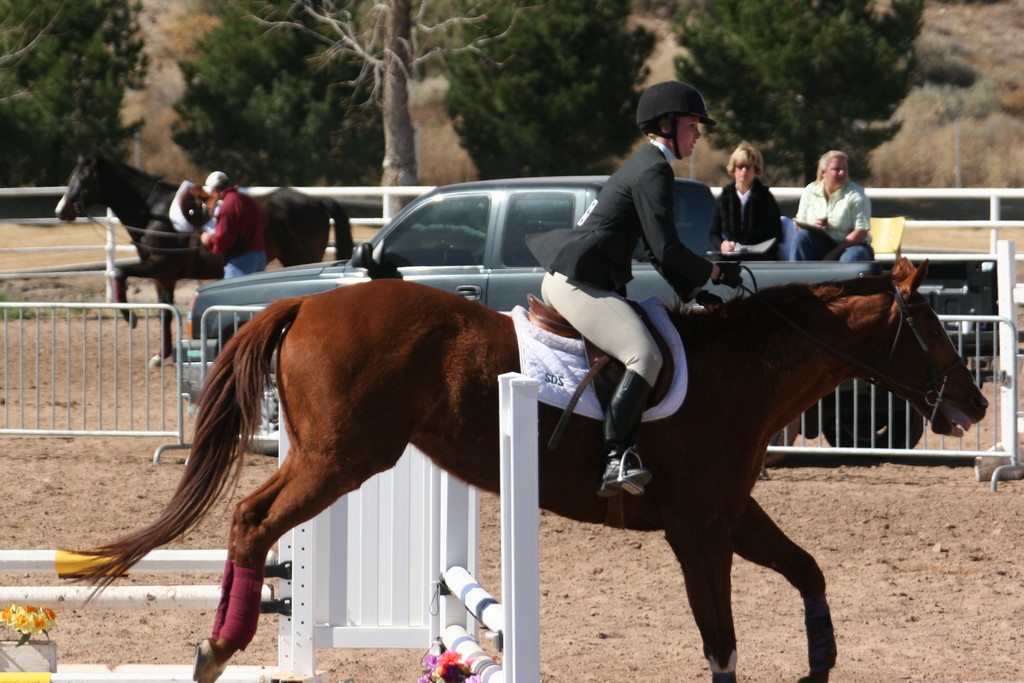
(932, 391)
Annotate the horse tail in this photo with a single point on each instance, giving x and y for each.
(229, 414)
(343, 242)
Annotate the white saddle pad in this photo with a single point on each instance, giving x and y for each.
(559, 363)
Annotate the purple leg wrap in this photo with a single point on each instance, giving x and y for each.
(225, 593)
(729, 677)
(821, 639)
(119, 291)
(243, 609)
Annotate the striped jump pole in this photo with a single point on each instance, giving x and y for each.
(457, 639)
(476, 599)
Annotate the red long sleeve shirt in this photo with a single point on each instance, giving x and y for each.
(240, 219)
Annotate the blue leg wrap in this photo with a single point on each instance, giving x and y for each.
(821, 639)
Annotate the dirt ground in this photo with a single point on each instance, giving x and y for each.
(924, 563)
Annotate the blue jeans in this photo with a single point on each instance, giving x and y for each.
(808, 245)
(249, 262)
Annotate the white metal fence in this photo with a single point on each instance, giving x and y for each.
(110, 249)
(79, 369)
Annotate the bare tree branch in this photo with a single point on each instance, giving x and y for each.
(16, 53)
(390, 40)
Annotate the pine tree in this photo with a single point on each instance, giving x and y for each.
(557, 95)
(800, 77)
(262, 107)
(68, 88)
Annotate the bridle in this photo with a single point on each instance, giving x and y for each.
(933, 390)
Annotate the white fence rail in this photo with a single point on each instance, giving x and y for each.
(994, 196)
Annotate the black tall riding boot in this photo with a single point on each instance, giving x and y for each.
(623, 469)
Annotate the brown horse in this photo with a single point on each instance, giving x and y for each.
(364, 370)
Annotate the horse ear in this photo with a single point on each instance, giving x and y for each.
(908, 278)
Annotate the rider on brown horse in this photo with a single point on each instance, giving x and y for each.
(588, 268)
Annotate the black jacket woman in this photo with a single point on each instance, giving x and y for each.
(746, 211)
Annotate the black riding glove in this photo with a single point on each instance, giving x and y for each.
(729, 274)
(707, 299)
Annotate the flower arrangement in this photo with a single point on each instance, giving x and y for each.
(29, 621)
(448, 667)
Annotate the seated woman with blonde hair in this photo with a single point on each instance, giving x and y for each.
(746, 212)
(834, 215)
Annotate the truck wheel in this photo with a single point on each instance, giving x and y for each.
(906, 426)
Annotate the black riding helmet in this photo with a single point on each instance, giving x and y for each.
(672, 99)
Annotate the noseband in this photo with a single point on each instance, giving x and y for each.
(934, 388)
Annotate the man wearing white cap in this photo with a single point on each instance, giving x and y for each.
(238, 235)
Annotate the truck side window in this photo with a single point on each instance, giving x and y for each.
(532, 212)
(694, 204)
(447, 232)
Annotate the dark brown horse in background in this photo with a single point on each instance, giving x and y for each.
(364, 370)
(297, 228)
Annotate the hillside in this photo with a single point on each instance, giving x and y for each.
(984, 37)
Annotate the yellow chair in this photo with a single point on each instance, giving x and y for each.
(887, 234)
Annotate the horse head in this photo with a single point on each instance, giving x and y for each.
(83, 190)
(933, 376)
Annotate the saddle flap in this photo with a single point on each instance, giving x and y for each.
(605, 382)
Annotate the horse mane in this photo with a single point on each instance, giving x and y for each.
(729, 330)
(795, 298)
(138, 175)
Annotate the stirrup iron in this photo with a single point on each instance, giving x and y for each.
(630, 479)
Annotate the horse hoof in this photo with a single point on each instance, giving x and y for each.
(206, 669)
(158, 361)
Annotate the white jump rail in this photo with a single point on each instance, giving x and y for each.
(148, 674)
(121, 597)
(163, 597)
(179, 597)
(154, 562)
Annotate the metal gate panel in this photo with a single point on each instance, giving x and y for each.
(82, 370)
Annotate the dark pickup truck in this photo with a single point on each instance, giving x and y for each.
(469, 239)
